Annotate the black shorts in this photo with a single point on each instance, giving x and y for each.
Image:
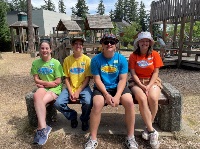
(112, 92)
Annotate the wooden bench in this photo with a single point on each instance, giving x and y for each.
(197, 53)
(169, 116)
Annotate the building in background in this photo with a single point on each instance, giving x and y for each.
(45, 19)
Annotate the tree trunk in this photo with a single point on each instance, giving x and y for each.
(31, 49)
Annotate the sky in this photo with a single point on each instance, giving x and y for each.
(92, 5)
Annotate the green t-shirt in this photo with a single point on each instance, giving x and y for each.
(48, 71)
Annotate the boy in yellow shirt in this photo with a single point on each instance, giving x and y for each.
(77, 72)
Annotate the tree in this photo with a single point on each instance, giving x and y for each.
(111, 14)
(130, 32)
(130, 10)
(4, 30)
(142, 17)
(18, 5)
(61, 6)
(49, 5)
(30, 28)
(118, 12)
(81, 9)
(101, 8)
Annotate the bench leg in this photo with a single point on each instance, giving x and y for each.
(196, 57)
(170, 116)
(32, 117)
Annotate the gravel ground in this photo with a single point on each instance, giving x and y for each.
(16, 133)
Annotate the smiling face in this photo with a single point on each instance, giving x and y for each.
(144, 43)
(45, 51)
(109, 45)
(77, 46)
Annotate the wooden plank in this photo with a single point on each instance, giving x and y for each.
(191, 52)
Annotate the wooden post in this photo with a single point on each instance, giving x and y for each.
(175, 32)
(191, 33)
(181, 40)
(12, 40)
(164, 30)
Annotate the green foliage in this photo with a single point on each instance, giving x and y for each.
(81, 9)
(4, 30)
(130, 10)
(17, 5)
(101, 8)
(61, 6)
(49, 5)
(130, 32)
(119, 12)
(142, 17)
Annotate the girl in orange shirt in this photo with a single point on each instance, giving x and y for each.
(144, 64)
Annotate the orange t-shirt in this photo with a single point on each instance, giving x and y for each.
(143, 66)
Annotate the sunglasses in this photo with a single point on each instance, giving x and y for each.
(109, 41)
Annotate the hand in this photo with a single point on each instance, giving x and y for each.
(40, 86)
(109, 100)
(147, 89)
(115, 100)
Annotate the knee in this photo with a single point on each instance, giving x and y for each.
(96, 109)
(57, 103)
(142, 101)
(153, 100)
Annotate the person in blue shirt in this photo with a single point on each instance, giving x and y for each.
(109, 70)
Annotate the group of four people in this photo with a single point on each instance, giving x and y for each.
(109, 70)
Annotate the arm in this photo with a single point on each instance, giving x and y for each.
(68, 84)
(102, 88)
(153, 78)
(120, 87)
(137, 80)
(40, 83)
(84, 84)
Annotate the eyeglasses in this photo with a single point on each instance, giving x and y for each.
(109, 41)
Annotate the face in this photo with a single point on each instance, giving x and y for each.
(109, 45)
(77, 45)
(144, 43)
(45, 49)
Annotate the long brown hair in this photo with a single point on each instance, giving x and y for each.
(138, 52)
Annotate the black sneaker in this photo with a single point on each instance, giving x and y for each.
(74, 123)
(85, 126)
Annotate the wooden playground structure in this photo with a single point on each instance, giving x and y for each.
(19, 34)
(178, 12)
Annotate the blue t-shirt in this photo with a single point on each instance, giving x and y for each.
(109, 69)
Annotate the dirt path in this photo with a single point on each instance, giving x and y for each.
(16, 133)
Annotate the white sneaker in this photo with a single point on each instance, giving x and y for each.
(145, 134)
(91, 144)
(131, 143)
(154, 140)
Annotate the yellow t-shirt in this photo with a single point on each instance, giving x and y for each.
(77, 70)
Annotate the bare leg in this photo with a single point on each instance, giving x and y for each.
(127, 102)
(143, 106)
(154, 95)
(95, 115)
(41, 98)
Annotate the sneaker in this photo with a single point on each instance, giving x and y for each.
(85, 126)
(74, 123)
(91, 144)
(41, 136)
(154, 140)
(131, 143)
(145, 134)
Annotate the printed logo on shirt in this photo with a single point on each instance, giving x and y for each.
(143, 63)
(109, 69)
(82, 63)
(45, 70)
(115, 61)
(76, 70)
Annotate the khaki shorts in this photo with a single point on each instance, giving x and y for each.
(145, 81)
